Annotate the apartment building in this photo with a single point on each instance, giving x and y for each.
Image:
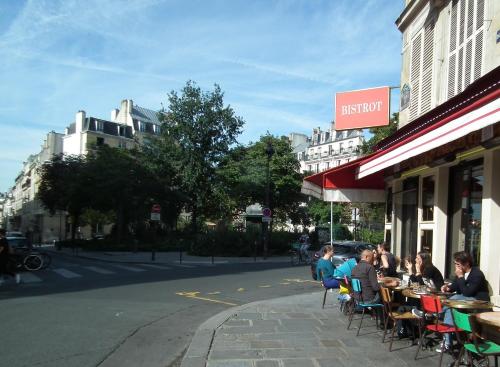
(440, 171)
(20, 210)
(326, 149)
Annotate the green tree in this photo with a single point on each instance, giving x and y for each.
(120, 184)
(319, 212)
(243, 177)
(203, 130)
(66, 185)
(380, 133)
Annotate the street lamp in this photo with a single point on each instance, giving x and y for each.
(269, 153)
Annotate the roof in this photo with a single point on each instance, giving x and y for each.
(145, 115)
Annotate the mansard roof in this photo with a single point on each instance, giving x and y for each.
(145, 115)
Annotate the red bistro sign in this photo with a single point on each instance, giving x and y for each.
(362, 108)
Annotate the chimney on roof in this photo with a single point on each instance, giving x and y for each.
(79, 120)
(114, 114)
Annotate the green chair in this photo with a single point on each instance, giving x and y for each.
(479, 346)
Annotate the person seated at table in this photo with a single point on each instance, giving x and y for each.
(388, 262)
(424, 272)
(470, 284)
(365, 272)
(325, 270)
(376, 262)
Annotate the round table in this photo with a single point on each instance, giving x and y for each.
(468, 305)
(490, 323)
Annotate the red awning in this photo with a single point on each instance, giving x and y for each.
(339, 184)
(473, 109)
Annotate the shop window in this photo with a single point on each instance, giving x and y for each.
(406, 203)
(388, 207)
(426, 240)
(464, 211)
(428, 185)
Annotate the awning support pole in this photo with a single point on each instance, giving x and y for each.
(331, 222)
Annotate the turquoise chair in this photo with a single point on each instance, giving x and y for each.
(360, 303)
(478, 345)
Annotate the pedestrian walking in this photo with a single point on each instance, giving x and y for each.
(5, 256)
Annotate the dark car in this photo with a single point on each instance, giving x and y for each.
(343, 250)
(18, 242)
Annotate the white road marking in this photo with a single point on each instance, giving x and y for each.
(129, 268)
(98, 270)
(30, 278)
(66, 273)
(156, 266)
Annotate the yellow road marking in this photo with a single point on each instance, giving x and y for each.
(240, 289)
(194, 295)
(264, 286)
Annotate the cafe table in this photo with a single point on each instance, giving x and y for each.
(468, 305)
(490, 323)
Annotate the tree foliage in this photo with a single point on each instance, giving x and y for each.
(65, 185)
(203, 129)
(243, 176)
(380, 133)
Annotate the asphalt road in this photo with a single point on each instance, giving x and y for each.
(86, 313)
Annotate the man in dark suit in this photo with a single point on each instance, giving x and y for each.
(470, 284)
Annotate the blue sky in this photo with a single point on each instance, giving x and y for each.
(279, 62)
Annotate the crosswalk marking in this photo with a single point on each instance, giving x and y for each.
(156, 266)
(30, 278)
(129, 268)
(66, 273)
(98, 270)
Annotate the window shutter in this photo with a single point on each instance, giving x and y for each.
(478, 57)
(466, 44)
(428, 56)
(416, 58)
(451, 75)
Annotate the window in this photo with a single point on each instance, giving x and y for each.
(330, 150)
(428, 185)
(466, 44)
(317, 167)
(327, 165)
(122, 144)
(426, 240)
(99, 141)
(99, 125)
(309, 168)
(464, 211)
(341, 147)
(350, 145)
(337, 162)
(142, 126)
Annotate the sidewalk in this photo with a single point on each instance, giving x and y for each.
(296, 331)
(160, 257)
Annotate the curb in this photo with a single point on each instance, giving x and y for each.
(188, 262)
(199, 348)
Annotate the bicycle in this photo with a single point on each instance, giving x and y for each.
(26, 259)
(297, 257)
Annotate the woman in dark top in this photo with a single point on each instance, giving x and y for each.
(425, 272)
(388, 263)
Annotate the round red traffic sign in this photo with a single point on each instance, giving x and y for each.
(156, 208)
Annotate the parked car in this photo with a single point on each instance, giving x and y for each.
(17, 242)
(343, 250)
(14, 234)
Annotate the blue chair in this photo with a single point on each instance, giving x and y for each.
(359, 303)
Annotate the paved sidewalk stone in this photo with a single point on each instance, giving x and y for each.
(295, 331)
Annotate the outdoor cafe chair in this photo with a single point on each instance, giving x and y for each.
(393, 315)
(360, 303)
(431, 304)
(477, 343)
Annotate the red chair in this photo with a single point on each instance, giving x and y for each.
(432, 305)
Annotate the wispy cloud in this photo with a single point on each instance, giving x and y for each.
(279, 62)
